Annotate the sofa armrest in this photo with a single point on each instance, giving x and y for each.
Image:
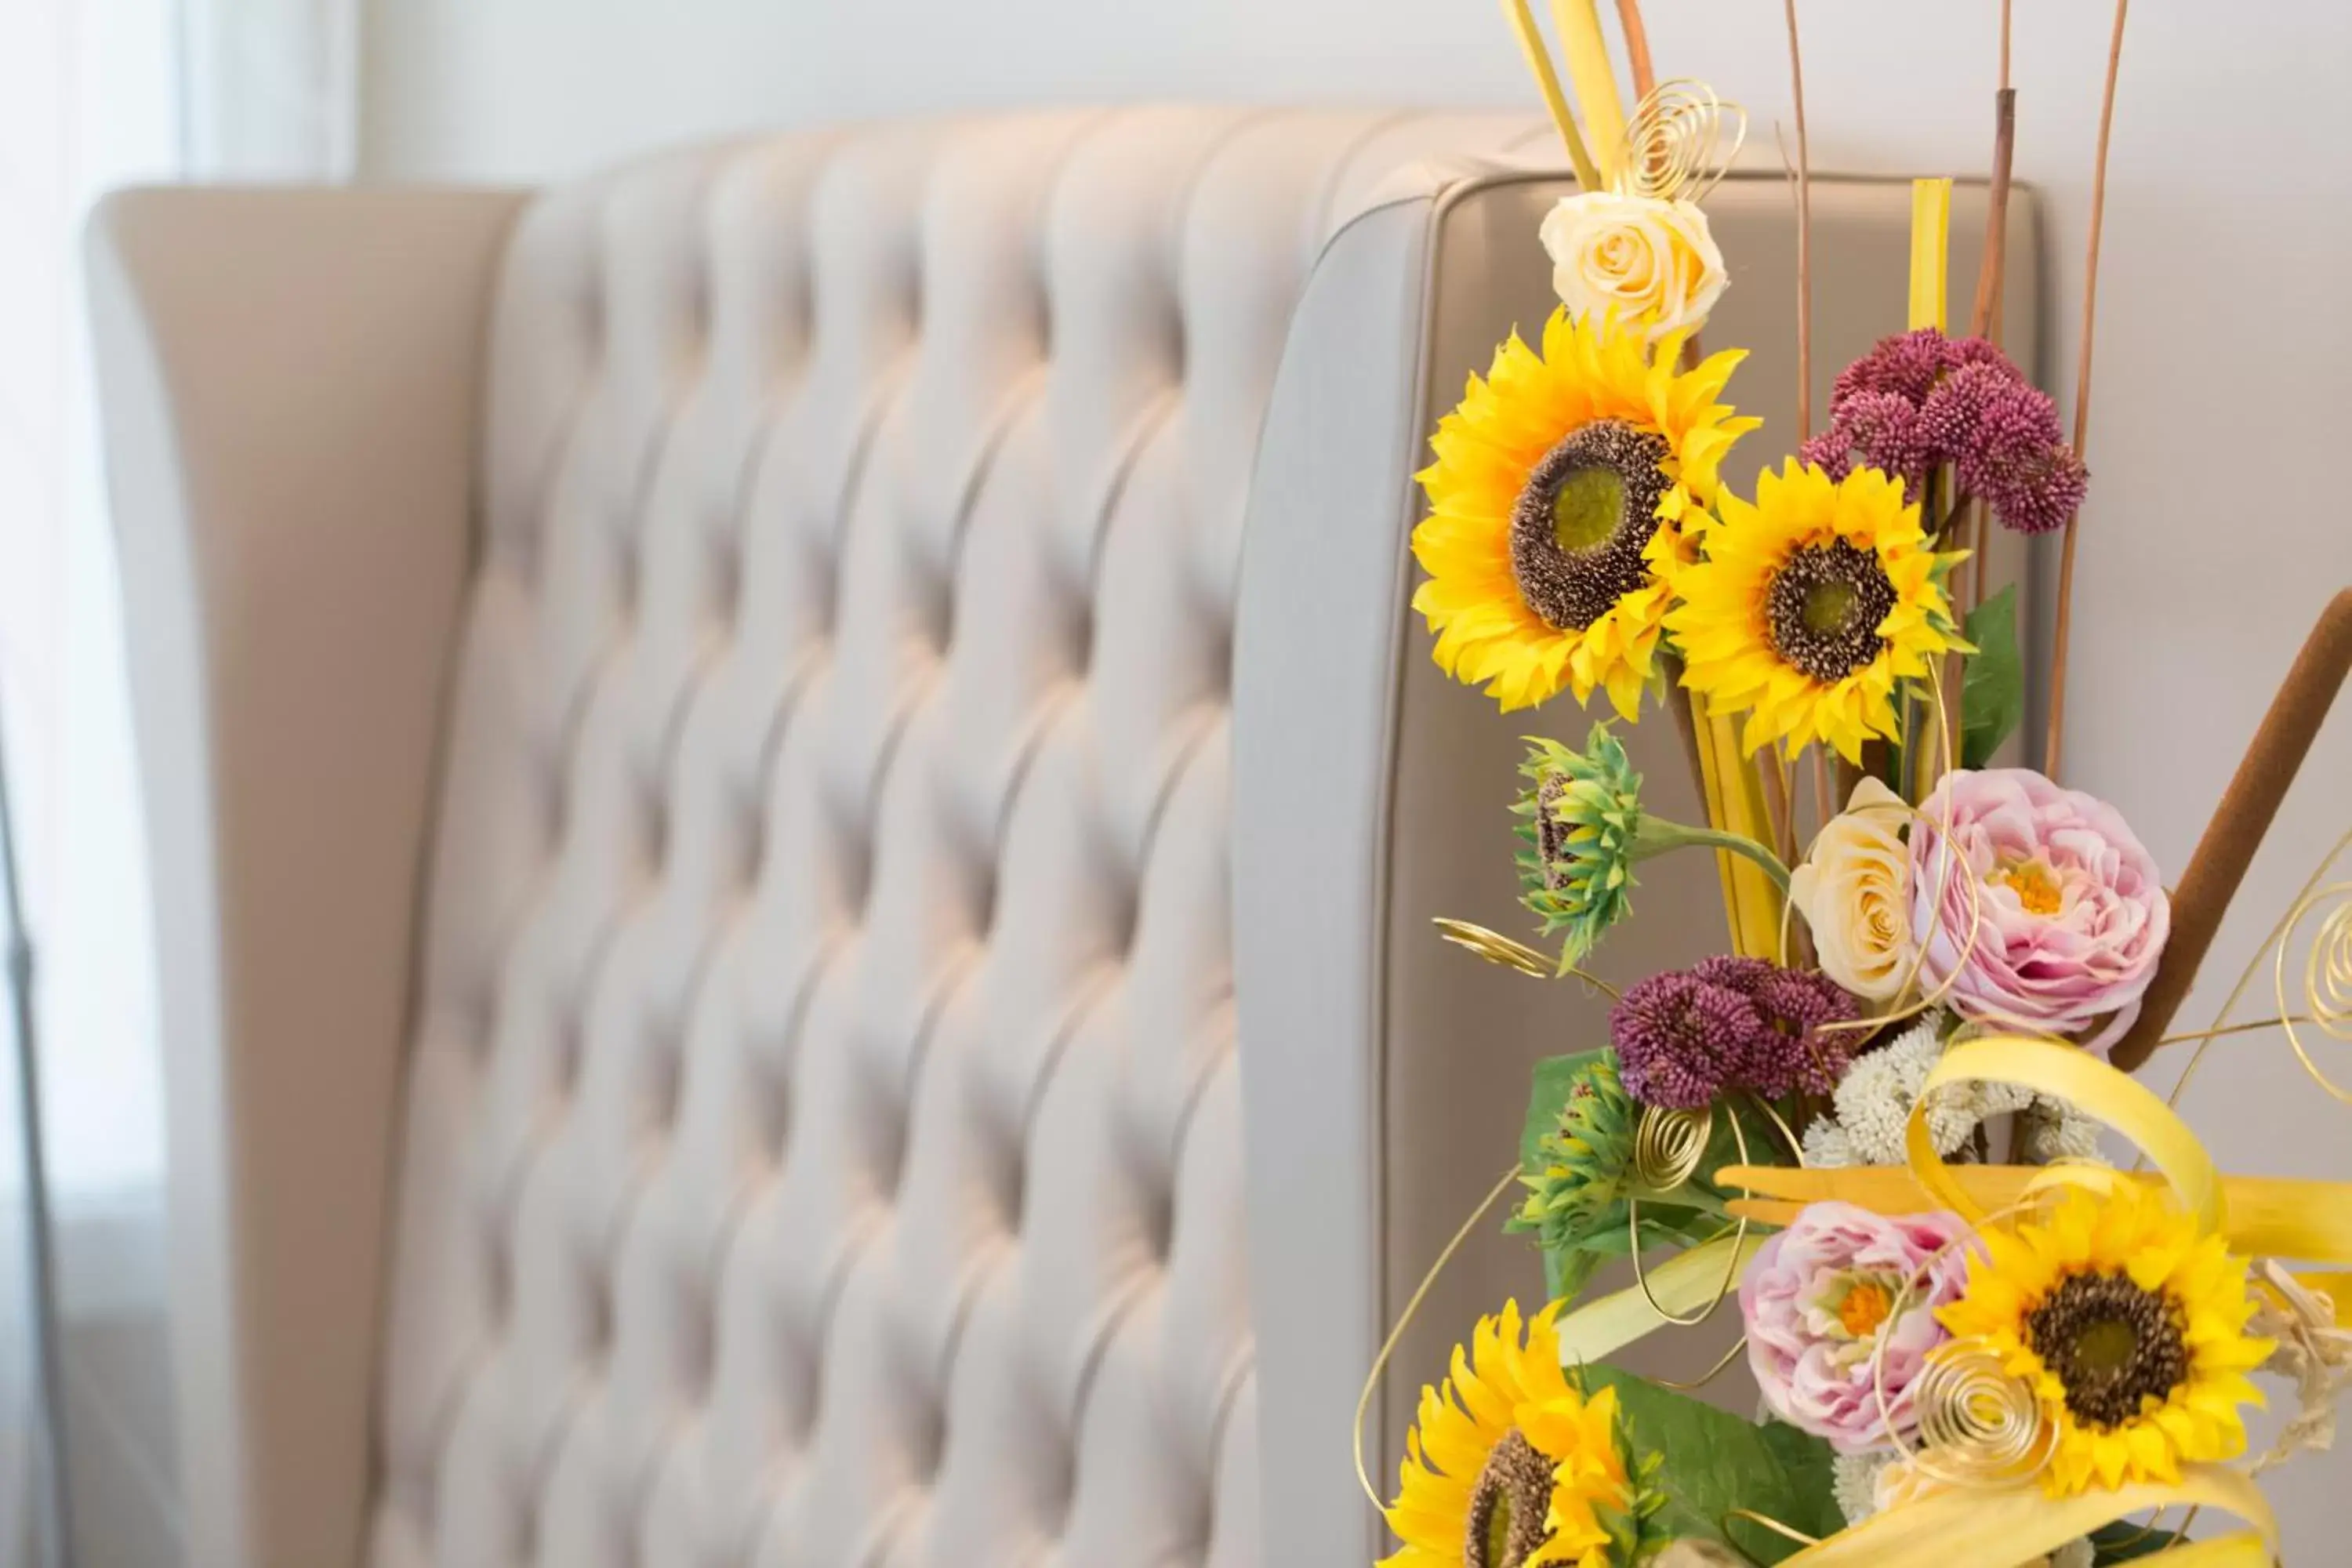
(290, 381)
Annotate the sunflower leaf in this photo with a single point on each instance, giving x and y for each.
(1992, 693)
(1714, 1462)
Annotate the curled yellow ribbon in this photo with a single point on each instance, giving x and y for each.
(2090, 1086)
(1973, 1527)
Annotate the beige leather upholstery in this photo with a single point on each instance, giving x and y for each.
(807, 1125)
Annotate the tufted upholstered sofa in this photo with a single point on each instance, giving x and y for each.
(793, 812)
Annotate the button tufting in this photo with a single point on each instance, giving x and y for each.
(1159, 1221)
(726, 579)
(887, 961)
(627, 569)
(653, 826)
(751, 840)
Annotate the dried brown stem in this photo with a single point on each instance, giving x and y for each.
(1984, 320)
(1637, 47)
(1804, 237)
(2053, 751)
(1780, 806)
(2240, 821)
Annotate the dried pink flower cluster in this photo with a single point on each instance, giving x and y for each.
(1920, 400)
(1685, 1036)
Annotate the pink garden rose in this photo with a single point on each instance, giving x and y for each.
(2071, 914)
(1816, 1300)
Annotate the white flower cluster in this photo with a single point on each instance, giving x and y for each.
(1873, 1108)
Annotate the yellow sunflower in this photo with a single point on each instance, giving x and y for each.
(1507, 1464)
(1555, 478)
(1811, 606)
(2129, 1323)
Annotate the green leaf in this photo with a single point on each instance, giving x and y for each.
(2128, 1543)
(1992, 693)
(1714, 1462)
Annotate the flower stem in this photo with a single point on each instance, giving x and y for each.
(1657, 837)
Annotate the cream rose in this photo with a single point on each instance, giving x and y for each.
(1637, 256)
(1854, 892)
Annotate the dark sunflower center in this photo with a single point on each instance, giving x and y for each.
(1824, 608)
(2112, 1345)
(1589, 508)
(1507, 1507)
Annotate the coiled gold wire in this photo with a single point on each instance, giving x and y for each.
(1669, 1145)
(1495, 947)
(2327, 975)
(1979, 1424)
(1680, 142)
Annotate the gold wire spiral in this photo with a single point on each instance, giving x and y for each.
(1675, 142)
(1669, 1145)
(2327, 975)
(1979, 1424)
(1495, 947)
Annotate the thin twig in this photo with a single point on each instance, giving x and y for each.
(1822, 796)
(1985, 319)
(1637, 47)
(1804, 238)
(1779, 805)
(2052, 750)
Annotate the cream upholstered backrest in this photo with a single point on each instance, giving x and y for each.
(822, 1134)
(697, 833)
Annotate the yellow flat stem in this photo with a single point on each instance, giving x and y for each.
(1589, 73)
(2268, 1216)
(1931, 231)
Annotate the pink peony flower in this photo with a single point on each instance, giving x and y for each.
(2070, 912)
(1816, 1299)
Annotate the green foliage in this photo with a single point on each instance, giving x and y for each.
(1580, 1125)
(1992, 693)
(1710, 1461)
(1576, 1160)
(2126, 1543)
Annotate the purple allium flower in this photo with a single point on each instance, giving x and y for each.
(1906, 364)
(1684, 1038)
(1740, 974)
(1797, 1051)
(2032, 488)
(1981, 406)
(1874, 429)
(1920, 400)
(1680, 1041)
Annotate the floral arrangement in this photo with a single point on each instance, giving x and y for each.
(1876, 1123)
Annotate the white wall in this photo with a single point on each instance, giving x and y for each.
(2215, 532)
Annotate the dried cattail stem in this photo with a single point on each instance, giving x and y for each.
(2240, 821)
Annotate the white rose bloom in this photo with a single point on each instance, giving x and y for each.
(1854, 891)
(1635, 256)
